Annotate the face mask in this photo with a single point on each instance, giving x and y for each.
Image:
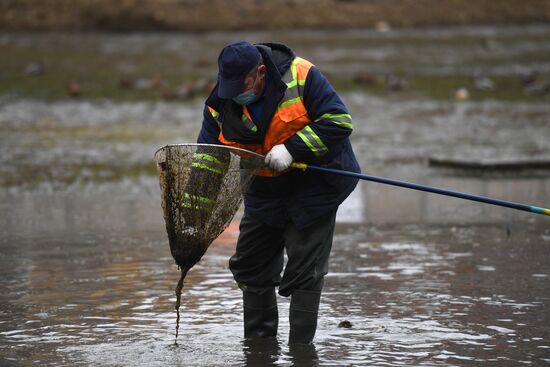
(245, 98)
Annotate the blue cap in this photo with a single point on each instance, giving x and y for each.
(235, 61)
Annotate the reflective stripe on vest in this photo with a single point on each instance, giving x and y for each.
(289, 118)
(208, 162)
(197, 202)
(247, 120)
(215, 115)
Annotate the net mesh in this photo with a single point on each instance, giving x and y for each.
(201, 190)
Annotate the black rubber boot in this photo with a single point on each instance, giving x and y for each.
(261, 317)
(304, 307)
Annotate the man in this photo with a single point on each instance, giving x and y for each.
(270, 101)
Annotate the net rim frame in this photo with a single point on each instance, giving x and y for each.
(209, 145)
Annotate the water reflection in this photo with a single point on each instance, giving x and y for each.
(420, 289)
(412, 295)
(261, 352)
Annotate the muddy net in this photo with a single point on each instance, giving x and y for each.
(201, 190)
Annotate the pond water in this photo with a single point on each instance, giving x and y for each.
(87, 277)
(100, 292)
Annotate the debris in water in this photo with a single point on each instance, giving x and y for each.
(344, 324)
(462, 94)
(35, 68)
(364, 77)
(382, 26)
(484, 83)
(73, 88)
(395, 83)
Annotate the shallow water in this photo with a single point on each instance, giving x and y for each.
(414, 294)
(86, 273)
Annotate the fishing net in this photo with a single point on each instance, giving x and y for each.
(201, 189)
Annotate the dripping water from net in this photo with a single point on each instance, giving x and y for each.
(179, 288)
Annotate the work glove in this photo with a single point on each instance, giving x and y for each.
(278, 158)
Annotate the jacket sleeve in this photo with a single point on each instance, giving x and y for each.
(210, 130)
(330, 120)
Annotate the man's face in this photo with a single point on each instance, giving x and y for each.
(255, 82)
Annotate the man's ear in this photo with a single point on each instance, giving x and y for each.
(261, 71)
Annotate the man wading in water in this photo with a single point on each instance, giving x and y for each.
(272, 102)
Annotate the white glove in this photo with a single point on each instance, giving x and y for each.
(278, 158)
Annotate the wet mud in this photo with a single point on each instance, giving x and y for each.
(214, 15)
(414, 279)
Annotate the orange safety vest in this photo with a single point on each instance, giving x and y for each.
(291, 115)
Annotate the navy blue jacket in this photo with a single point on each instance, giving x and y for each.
(299, 196)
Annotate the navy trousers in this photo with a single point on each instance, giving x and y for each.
(259, 258)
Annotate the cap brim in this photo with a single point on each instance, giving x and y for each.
(229, 88)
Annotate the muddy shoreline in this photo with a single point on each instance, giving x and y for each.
(201, 15)
(508, 63)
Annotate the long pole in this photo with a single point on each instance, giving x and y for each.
(435, 190)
